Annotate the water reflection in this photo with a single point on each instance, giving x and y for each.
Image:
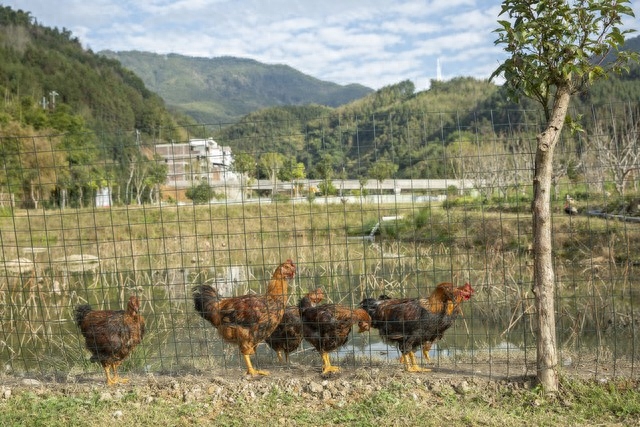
(376, 349)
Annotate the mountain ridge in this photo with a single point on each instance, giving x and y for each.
(224, 89)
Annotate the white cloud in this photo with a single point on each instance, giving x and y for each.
(375, 43)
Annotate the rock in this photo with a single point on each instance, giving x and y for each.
(6, 393)
(436, 387)
(315, 388)
(30, 381)
(117, 414)
(105, 396)
(217, 390)
(462, 388)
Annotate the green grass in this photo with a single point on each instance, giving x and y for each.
(394, 403)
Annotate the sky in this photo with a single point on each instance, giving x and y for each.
(371, 42)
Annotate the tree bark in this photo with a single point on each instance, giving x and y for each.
(544, 277)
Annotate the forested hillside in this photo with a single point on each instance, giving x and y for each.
(70, 120)
(222, 90)
(37, 61)
(406, 134)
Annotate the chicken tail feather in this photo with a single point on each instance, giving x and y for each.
(204, 298)
(81, 312)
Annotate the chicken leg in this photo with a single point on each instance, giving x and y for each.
(403, 359)
(426, 347)
(117, 377)
(110, 380)
(326, 365)
(250, 369)
(412, 364)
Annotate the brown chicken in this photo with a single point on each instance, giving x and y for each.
(410, 323)
(110, 335)
(249, 319)
(327, 327)
(453, 310)
(288, 335)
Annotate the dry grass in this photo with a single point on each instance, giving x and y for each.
(161, 252)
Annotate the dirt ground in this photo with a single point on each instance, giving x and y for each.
(306, 380)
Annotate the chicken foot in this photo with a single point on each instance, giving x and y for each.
(283, 360)
(107, 372)
(426, 347)
(250, 369)
(115, 378)
(409, 359)
(326, 365)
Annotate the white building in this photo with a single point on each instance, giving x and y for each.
(103, 197)
(196, 161)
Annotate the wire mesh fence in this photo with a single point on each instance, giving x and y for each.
(97, 218)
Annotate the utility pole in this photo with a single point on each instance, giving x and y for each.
(53, 95)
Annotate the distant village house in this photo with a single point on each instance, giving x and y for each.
(194, 162)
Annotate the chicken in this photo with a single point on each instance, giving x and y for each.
(246, 320)
(111, 335)
(413, 322)
(326, 327)
(288, 335)
(454, 309)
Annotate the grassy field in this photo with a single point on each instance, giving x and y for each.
(360, 397)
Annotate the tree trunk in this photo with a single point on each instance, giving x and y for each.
(544, 277)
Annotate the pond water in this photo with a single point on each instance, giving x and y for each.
(38, 333)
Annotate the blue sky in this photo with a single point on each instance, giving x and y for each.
(372, 42)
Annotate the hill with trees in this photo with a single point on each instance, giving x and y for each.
(222, 90)
(72, 121)
(421, 134)
(37, 61)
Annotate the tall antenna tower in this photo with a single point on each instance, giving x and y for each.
(438, 71)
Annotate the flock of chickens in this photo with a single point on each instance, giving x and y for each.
(248, 320)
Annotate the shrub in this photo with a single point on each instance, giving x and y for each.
(201, 193)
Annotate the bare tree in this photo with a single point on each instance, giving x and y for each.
(244, 164)
(272, 163)
(618, 150)
(496, 166)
